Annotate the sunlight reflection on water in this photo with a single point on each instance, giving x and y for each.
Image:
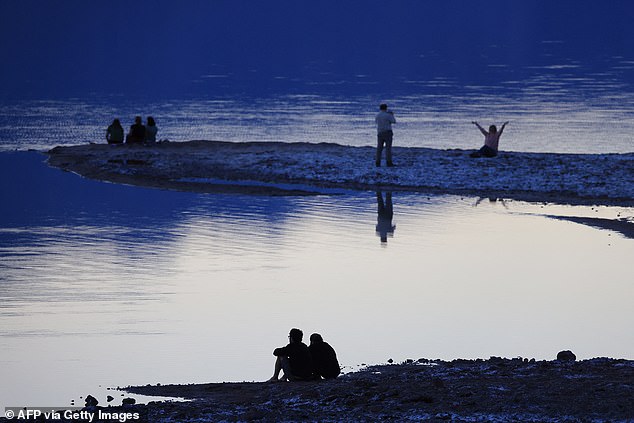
(548, 113)
(204, 287)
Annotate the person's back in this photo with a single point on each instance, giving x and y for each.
(150, 130)
(114, 133)
(384, 121)
(324, 357)
(137, 132)
(299, 357)
(491, 140)
(295, 359)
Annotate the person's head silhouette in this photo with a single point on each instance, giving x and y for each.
(316, 338)
(295, 335)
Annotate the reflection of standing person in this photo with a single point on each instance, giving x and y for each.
(324, 357)
(385, 214)
(137, 132)
(150, 130)
(294, 359)
(114, 133)
(384, 121)
(491, 140)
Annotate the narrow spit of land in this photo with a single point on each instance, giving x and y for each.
(304, 169)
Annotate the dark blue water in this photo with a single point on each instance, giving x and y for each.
(561, 72)
(161, 49)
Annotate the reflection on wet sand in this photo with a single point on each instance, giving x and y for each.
(385, 213)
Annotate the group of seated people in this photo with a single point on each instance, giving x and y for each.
(301, 362)
(139, 133)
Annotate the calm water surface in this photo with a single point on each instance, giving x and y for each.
(105, 285)
(555, 104)
(545, 116)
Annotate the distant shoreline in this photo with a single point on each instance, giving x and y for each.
(267, 168)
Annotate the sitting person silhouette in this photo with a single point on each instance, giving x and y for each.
(491, 140)
(114, 133)
(137, 132)
(294, 359)
(324, 358)
(150, 130)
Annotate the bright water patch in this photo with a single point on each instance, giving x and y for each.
(115, 285)
(546, 116)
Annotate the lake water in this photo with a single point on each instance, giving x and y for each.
(105, 285)
(563, 88)
(551, 114)
(556, 99)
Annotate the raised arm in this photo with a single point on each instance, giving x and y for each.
(503, 126)
(484, 132)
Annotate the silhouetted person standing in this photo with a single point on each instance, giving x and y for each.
(294, 359)
(491, 140)
(384, 121)
(385, 213)
(137, 132)
(114, 133)
(324, 358)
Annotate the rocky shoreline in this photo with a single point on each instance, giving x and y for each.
(305, 169)
(497, 389)
(493, 390)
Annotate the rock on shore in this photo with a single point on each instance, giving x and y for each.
(303, 168)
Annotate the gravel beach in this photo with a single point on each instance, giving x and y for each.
(493, 390)
(304, 168)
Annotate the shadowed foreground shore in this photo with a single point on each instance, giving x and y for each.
(493, 390)
(304, 169)
(463, 390)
